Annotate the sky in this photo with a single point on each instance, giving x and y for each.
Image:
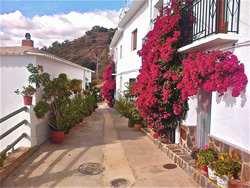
(54, 20)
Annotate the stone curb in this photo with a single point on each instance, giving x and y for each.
(182, 159)
(14, 160)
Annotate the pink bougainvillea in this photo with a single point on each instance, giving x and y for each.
(215, 71)
(159, 99)
(109, 87)
(166, 81)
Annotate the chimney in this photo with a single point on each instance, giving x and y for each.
(27, 41)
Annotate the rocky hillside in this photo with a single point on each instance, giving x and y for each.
(85, 50)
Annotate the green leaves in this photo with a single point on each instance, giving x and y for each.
(41, 109)
(27, 91)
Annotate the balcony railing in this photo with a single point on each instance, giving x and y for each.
(202, 18)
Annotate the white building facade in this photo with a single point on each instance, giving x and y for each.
(128, 39)
(14, 75)
(223, 123)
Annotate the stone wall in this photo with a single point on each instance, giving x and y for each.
(220, 147)
(187, 136)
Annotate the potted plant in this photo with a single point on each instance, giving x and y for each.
(76, 85)
(206, 157)
(226, 168)
(194, 154)
(27, 94)
(131, 122)
(136, 117)
(56, 98)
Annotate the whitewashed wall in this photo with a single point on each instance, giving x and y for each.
(54, 68)
(191, 116)
(130, 59)
(230, 118)
(14, 75)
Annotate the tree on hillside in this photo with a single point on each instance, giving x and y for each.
(88, 63)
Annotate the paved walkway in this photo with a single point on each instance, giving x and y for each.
(104, 138)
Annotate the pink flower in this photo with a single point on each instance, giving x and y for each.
(206, 146)
(155, 135)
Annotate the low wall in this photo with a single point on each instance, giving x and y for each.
(221, 146)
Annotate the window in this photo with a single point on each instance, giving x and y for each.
(132, 81)
(116, 54)
(120, 83)
(120, 51)
(134, 39)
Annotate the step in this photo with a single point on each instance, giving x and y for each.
(182, 159)
(14, 160)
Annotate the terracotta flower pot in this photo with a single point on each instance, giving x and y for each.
(67, 131)
(195, 163)
(237, 184)
(57, 136)
(137, 127)
(130, 125)
(163, 139)
(204, 169)
(111, 104)
(27, 100)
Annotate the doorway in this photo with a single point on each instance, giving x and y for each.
(203, 117)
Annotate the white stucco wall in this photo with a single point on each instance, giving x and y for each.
(230, 117)
(14, 75)
(54, 68)
(191, 116)
(128, 66)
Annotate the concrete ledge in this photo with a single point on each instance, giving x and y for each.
(182, 159)
(14, 160)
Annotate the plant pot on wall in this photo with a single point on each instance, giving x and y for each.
(223, 182)
(57, 136)
(211, 174)
(130, 124)
(137, 127)
(27, 100)
(204, 169)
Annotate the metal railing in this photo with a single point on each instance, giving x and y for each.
(13, 129)
(202, 18)
(124, 9)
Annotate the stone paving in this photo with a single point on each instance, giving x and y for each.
(102, 138)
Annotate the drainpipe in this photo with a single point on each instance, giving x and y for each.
(151, 18)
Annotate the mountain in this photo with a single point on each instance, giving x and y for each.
(86, 50)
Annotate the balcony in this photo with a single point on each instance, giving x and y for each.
(214, 21)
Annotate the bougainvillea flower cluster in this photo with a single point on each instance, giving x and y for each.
(109, 87)
(166, 81)
(215, 71)
(159, 99)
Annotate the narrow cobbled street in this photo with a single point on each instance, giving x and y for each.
(103, 138)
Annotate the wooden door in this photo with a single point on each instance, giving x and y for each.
(203, 118)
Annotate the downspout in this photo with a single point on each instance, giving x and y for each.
(151, 18)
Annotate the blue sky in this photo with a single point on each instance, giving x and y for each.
(33, 7)
(58, 20)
